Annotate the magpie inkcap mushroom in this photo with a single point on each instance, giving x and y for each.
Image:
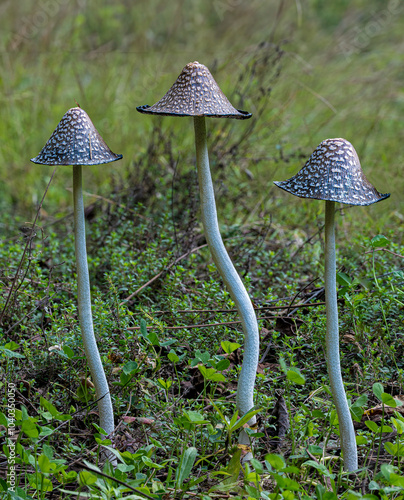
(195, 93)
(77, 142)
(333, 173)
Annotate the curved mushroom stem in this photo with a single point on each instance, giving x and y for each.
(85, 316)
(245, 389)
(346, 429)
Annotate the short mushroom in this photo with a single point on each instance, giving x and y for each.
(196, 94)
(77, 142)
(333, 173)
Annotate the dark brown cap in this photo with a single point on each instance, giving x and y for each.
(195, 93)
(333, 173)
(75, 141)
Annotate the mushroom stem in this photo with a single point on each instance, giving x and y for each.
(245, 389)
(346, 429)
(84, 304)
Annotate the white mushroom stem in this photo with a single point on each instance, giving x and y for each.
(347, 433)
(84, 303)
(245, 389)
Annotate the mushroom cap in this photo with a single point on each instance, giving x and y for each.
(75, 141)
(333, 173)
(195, 93)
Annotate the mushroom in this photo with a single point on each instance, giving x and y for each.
(333, 173)
(195, 93)
(77, 142)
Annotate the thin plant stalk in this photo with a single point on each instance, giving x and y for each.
(347, 433)
(245, 389)
(84, 303)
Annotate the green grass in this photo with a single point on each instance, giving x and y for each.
(111, 59)
(307, 71)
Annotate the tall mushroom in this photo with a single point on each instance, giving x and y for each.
(76, 142)
(195, 93)
(333, 173)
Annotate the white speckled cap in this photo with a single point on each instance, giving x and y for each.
(333, 173)
(75, 141)
(195, 93)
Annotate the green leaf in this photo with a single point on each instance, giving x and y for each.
(69, 476)
(220, 413)
(229, 347)
(48, 451)
(257, 465)
(291, 469)
(186, 464)
(13, 346)
(398, 424)
(46, 431)
(233, 468)
(320, 467)
(49, 406)
(100, 429)
(130, 367)
(286, 483)
(379, 241)
(356, 413)
(40, 482)
(151, 464)
(388, 400)
(10, 354)
(251, 477)
(315, 449)
(86, 478)
(343, 279)
(217, 377)
(24, 413)
(277, 462)
(391, 448)
(386, 470)
(173, 357)
(29, 428)
(233, 419)
(372, 425)
(211, 374)
(295, 376)
(223, 365)
(282, 363)
(378, 390)
(396, 480)
(203, 357)
(68, 351)
(244, 419)
(361, 440)
(143, 328)
(44, 463)
(3, 420)
(330, 495)
(153, 338)
(165, 384)
(194, 417)
(360, 402)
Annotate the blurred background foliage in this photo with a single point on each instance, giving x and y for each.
(307, 70)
